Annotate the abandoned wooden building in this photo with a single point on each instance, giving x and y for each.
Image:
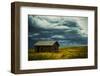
(46, 46)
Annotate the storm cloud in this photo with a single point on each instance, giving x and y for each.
(66, 30)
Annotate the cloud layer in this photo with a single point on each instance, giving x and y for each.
(66, 30)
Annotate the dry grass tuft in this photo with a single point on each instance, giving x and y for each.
(64, 53)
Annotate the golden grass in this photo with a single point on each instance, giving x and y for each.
(64, 53)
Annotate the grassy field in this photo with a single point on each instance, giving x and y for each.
(64, 53)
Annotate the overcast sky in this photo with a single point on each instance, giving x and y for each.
(65, 30)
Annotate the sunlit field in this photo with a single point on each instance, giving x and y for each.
(75, 52)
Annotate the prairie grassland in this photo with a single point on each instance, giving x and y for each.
(64, 53)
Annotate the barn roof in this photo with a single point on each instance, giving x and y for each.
(45, 43)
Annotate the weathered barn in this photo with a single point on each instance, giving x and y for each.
(46, 46)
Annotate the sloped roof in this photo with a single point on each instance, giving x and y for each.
(45, 43)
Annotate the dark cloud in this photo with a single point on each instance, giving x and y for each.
(66, 30)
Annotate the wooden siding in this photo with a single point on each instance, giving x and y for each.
(53, 48)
